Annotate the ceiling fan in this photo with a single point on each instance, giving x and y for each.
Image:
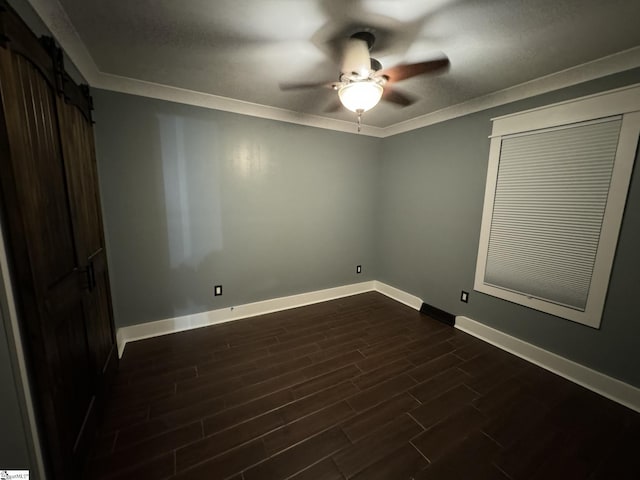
(363, 82)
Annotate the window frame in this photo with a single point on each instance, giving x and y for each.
(624, 102)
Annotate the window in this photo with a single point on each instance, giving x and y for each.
(556, 187)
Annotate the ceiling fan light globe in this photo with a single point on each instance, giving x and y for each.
(360, 96)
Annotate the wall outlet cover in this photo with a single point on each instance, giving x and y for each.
(217, 290)
(464, 296)
(359, 269)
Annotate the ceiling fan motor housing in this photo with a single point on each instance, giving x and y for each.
(367, 37)
(356, 60)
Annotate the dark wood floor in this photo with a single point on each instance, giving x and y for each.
(362, 387)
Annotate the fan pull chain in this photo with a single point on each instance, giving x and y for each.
(359, 112)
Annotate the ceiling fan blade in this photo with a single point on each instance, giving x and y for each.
(404, 71)
(394, 96)
(303, 86)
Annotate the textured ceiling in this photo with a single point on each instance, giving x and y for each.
(243, 49)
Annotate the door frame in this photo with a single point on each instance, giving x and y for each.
(18, 363)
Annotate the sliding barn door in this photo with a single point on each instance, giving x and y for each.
(82, 180)
(51, 212)
(51, 280)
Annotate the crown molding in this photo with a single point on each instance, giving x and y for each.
(601, 67)
(57, 21)
(189, 97)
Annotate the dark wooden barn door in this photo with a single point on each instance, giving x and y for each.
(39, 216)
(51, 213)
(82, 180)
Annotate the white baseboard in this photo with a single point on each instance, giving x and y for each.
(222, 315)
(606, 386)
(398, 295)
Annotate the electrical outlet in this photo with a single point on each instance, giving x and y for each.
(464, 296)
(217, 290)
(359, 269)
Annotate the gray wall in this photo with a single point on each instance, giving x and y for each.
(193, 198)
(430, 200)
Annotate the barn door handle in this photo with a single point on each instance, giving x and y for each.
(91, 276)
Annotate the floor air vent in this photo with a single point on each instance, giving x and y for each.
(438, 314)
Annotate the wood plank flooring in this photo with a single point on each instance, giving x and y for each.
(356, 388)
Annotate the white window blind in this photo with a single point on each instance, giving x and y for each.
(557, 183)
(550, 199)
